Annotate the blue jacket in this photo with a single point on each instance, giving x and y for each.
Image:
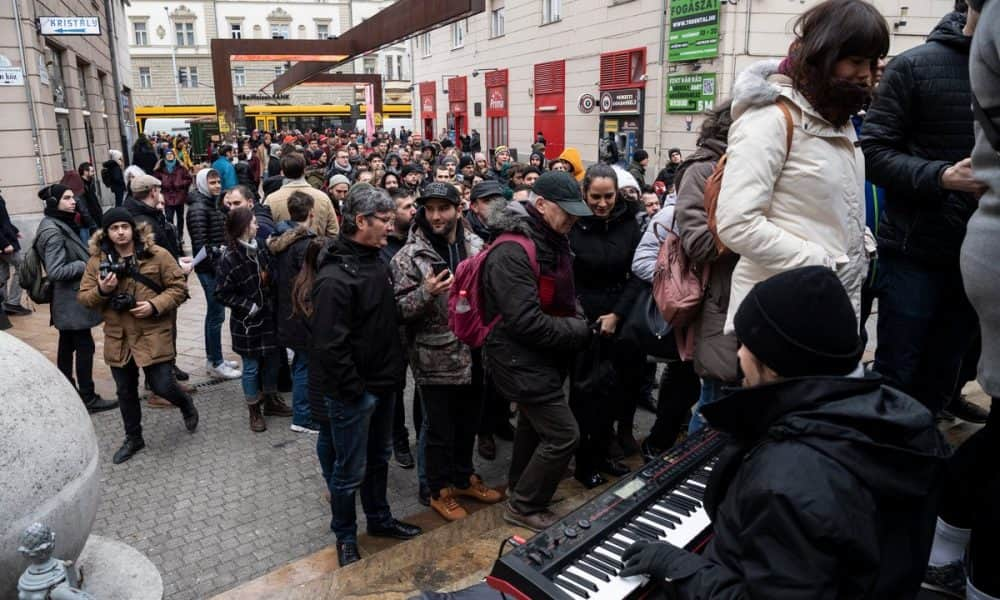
(874, 195)
(226, 171)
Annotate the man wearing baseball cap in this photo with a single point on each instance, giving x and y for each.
(829, 484)
(450, 379)
(486, 202)
(528, 352)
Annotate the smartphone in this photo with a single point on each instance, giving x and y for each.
(438, 267)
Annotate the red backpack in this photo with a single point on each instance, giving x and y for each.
(468, 322)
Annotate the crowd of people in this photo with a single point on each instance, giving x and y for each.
(830, 179)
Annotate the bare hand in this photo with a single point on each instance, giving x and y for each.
(608, 324)
(185, 263)
(142, 310)
(438, 284)
(959, 178)
(8, 250)
(108, 284)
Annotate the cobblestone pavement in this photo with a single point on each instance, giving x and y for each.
(222, 506)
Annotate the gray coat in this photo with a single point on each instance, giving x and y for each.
(980, 250)
(65, 258)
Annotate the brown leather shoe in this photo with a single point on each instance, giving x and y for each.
(257, 423)
(478, 490)
(446, 506)
(535, 521)
(274, 406)
(155, 401)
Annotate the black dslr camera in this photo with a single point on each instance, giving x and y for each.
(120, 269)
(122, 301)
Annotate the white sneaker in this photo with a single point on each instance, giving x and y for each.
(232, 364)
(223, 371)
(302, 429)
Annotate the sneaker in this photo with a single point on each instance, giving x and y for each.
(947, 579)
(223, 371)
(307, 428)
(446, 506)
(477, 490)
(16, 310)
(403, 456)
(232, 364)
(968, 411)
(535, 521)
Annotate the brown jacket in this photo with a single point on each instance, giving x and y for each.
(149, 341)
(324, 217)
(714, 353)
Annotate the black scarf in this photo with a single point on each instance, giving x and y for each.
(69, 218)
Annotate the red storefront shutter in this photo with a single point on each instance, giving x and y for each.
(623, 69)
(550, 103)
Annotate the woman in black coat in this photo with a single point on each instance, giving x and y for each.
(143, 155)
(242, 284)
(606, 379)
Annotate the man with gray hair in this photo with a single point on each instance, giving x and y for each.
(358, 357)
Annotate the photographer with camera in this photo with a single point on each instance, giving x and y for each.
(137, 285)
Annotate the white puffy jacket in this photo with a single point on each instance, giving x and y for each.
(781, 210)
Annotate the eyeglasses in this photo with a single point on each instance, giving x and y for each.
(385, 220)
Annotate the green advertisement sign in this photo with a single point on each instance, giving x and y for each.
(694, 30)
(690, 93)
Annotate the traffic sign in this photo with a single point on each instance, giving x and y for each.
(69, 25)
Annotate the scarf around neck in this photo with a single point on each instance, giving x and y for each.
(563, 301)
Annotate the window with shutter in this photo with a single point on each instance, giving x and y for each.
(550, 77)
(623, 69)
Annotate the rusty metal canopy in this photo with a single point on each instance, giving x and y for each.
(397, 22)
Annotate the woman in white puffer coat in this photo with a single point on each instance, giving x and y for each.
(781, 209)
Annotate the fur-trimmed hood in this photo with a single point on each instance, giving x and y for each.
(284, 237)
(514, 219)
(146, 241)
(755, 86)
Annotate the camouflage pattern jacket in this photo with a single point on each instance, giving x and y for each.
(436, 356)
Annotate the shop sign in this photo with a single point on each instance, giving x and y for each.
(615, 102)
(11, 76)
(261, 97)
(690, 93)
(498, 100)
(694, 30)
(223, 123)
(586, 103)
(427, 104)
(69, 25)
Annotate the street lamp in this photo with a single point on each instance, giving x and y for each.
(173, 58)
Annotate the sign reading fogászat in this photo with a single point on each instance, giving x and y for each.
(70, 25)
(694, 30)
(691, 93)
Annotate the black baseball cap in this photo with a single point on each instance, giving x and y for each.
(563, 189)
(441, 191)
(486, 189)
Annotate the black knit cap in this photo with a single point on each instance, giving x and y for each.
(52, 194)
(801, 323)
(114, 215)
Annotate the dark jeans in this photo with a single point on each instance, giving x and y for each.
(679, 389)
(970, 493)
(354, 450)
(215, 316)
(925, 327)
(77, 343)
(496, 409)
(452, 414)
(300, 389)
(544, 442)
(175, 214)
(161, 381)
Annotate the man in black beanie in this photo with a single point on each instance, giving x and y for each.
(640, 160)
(827, 486)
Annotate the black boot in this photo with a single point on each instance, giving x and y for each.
(96, 404)
(132, 445)
(191, 417)
(179, 374)
(347, 553)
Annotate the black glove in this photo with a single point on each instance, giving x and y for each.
(650, 558)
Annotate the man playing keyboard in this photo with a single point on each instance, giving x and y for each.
(827, 488)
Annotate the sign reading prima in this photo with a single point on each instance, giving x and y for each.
(69, 25)
(694, 30)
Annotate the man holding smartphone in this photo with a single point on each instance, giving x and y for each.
(449, 375)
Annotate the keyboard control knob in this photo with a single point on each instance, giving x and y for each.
(583, 524)
(570, 532)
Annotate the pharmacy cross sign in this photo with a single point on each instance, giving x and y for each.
(69, 25)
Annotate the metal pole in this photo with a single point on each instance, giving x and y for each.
(116, 80)
(39, 163)
(173, 60)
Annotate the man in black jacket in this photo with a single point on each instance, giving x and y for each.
(917, 138)
(90, 193)
(206, 225)
(827, 488)
(355, 362)
(528, 352)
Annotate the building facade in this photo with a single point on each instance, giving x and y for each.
(169, 43)
(58, 94)
(582, 72)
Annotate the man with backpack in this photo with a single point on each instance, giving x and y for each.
(529, 286)
(445, 369)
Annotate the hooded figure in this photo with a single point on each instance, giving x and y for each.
(206, 224)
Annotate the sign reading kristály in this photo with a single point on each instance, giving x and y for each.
(70, 25)
(694, 30)
(617, 102)
(691, 93)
